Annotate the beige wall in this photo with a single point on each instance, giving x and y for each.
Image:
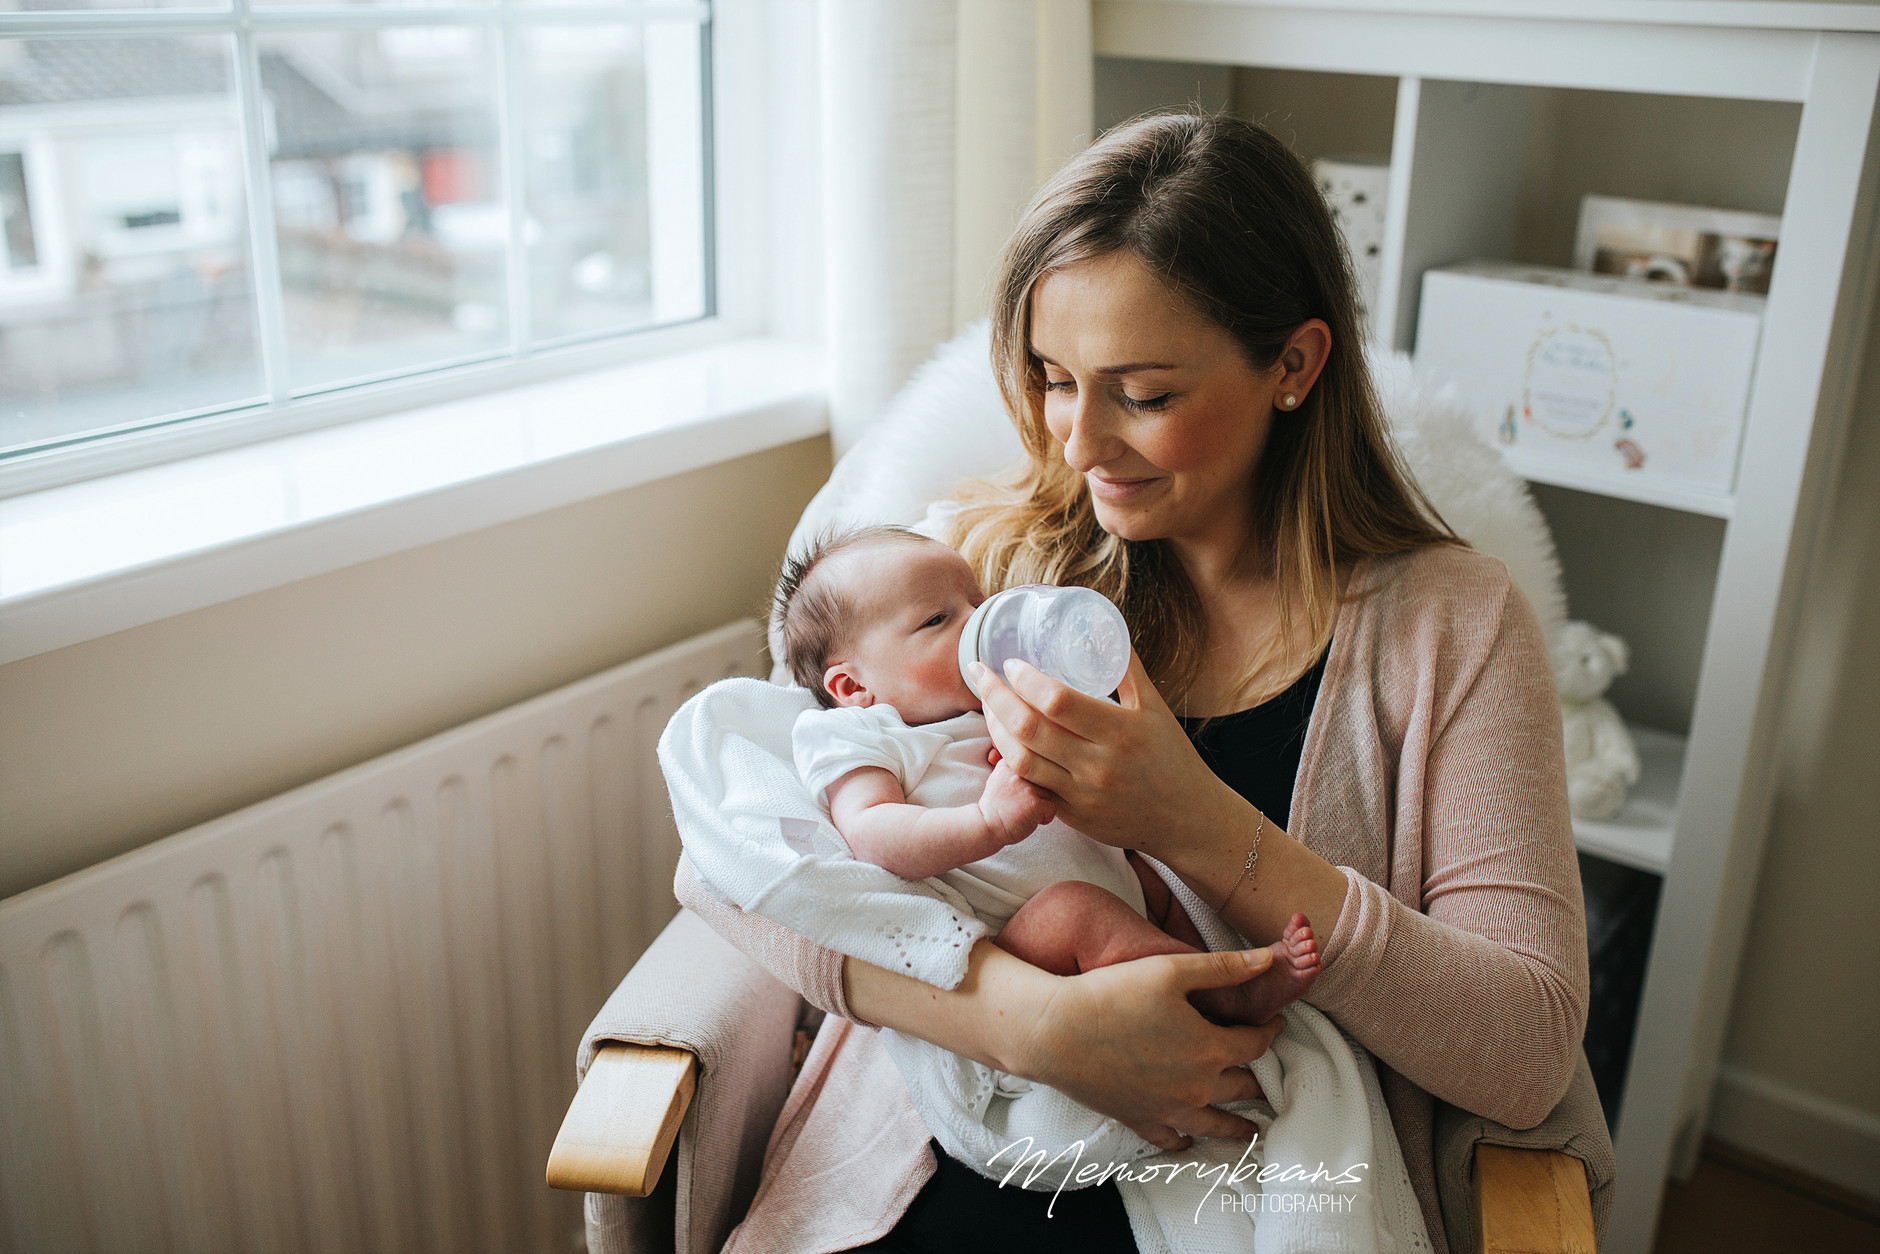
(1807, 1008)
(118, 741)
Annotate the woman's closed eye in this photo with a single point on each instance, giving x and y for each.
(1141, 404)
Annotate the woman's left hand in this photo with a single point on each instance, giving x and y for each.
(1126, 775)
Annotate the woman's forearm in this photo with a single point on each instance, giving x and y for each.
(1212, 853)
(990, 1016)
(801, 964)
(1489, 1023)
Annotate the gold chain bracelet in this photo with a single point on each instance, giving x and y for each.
(1253, 858)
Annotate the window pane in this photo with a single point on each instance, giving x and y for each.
(388, 199)
(615, 163)
(125, 292)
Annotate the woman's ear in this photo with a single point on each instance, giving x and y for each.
(1301, 362)
(842, 684)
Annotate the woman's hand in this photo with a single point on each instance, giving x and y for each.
(1126, 775)
(1125, 1041)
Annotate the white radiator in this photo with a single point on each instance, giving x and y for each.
(345, 1019)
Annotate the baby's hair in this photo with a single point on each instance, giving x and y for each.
(815, 617)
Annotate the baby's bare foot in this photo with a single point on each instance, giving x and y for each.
(1295, 965)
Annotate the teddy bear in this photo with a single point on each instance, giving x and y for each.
(1602, 761)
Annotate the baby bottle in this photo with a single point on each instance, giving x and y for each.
(1074, 635)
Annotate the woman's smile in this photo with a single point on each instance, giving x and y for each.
(1120, 490)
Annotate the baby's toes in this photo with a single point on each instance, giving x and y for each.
(1301, 945)
(1306, 956)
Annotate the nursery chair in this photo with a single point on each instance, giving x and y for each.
(695, 1048)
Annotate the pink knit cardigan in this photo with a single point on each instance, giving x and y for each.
(1432, 775)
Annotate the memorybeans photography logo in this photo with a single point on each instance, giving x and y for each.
(1220, 1178)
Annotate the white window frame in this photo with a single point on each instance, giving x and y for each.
(740, 122)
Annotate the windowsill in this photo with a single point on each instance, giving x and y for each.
(88, 559)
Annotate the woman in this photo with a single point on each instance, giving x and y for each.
(1335, 708)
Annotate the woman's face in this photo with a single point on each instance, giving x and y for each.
(1155, 404)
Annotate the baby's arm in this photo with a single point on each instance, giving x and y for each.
(917, 842)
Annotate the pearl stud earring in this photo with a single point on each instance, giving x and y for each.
(1288, 400)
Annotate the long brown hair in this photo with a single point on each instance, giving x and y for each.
(1226, 215)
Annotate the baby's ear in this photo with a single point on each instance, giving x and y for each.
(841, 683)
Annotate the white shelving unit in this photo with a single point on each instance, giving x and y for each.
(1466, 136)
(1640, 834)
(1538, 469)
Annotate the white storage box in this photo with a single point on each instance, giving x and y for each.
(1591, 380)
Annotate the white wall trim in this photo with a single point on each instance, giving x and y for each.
(1829, 1140)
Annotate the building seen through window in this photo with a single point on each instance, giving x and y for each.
(130, 287)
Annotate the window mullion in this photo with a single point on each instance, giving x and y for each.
(264, 247)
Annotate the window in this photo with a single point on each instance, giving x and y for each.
(206, 211)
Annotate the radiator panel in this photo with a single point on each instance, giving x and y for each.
(345, 1018)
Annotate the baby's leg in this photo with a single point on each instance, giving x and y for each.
(1074, 926)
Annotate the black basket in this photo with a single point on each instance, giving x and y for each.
(1621, 907)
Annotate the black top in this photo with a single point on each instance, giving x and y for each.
(1257, 752)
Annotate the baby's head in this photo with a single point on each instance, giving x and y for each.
(875, 614)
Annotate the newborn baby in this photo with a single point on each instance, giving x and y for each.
(900, 756)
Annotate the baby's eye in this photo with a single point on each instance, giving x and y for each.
(935, 621)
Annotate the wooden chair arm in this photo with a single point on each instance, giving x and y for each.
(623, 1120)
(1531, 1202)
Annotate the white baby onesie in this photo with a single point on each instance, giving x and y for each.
(944, 764)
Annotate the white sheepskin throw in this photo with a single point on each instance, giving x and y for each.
(1482, 500)
(948, 423)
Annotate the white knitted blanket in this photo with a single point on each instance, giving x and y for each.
(1335, 1179)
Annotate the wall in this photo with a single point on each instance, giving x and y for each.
(1807, 1008)
(112, 743)
(1320, 114)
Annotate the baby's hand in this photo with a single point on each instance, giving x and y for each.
(1014, 808)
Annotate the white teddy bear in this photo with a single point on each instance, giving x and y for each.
(1602, 761)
